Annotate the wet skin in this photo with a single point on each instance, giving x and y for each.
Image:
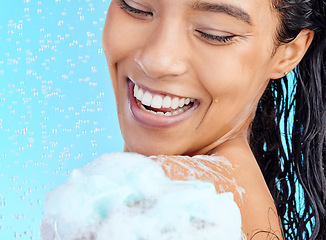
(221, 54)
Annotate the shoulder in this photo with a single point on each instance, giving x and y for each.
(259, 216)
(260, 219)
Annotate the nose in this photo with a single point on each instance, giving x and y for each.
(163, 54)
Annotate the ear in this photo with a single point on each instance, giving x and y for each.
(288, 55)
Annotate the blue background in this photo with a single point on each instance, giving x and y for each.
(57, 109)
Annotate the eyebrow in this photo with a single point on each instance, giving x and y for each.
(231, 10)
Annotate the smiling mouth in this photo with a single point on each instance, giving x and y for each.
(160, 104)
(159, 110)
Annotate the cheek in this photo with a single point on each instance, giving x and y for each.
(115, 43)
(122, 35)
(234, 72)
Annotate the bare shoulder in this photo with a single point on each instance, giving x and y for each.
(260, 219)
(259, 216)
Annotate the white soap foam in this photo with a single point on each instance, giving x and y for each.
(210, 167)
(126, 196)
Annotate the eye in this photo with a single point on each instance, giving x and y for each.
(133, 10)
(214, 39)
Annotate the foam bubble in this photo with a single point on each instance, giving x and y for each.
(128, 196)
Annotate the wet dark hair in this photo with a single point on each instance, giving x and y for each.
(289, 130)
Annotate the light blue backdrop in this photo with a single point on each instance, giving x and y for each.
(57, 109)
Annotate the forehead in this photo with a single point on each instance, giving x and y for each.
(251, 11)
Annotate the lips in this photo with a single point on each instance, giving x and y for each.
(157, 109)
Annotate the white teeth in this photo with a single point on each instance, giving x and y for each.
(147, 99)
(135, 90)
(167, 114)
(140, 95)
(142, 107)
(157, 101)
(167, 102)
(175, 103)
(181, 102)
(178, 112)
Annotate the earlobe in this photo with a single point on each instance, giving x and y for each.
(289, 55)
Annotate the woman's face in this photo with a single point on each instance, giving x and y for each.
(199, 68)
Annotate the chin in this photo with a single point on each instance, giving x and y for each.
(151, 150)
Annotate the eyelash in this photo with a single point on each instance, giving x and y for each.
(130, 9)
(220, 39)
(207, 36)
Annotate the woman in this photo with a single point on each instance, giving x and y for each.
(209, 78)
